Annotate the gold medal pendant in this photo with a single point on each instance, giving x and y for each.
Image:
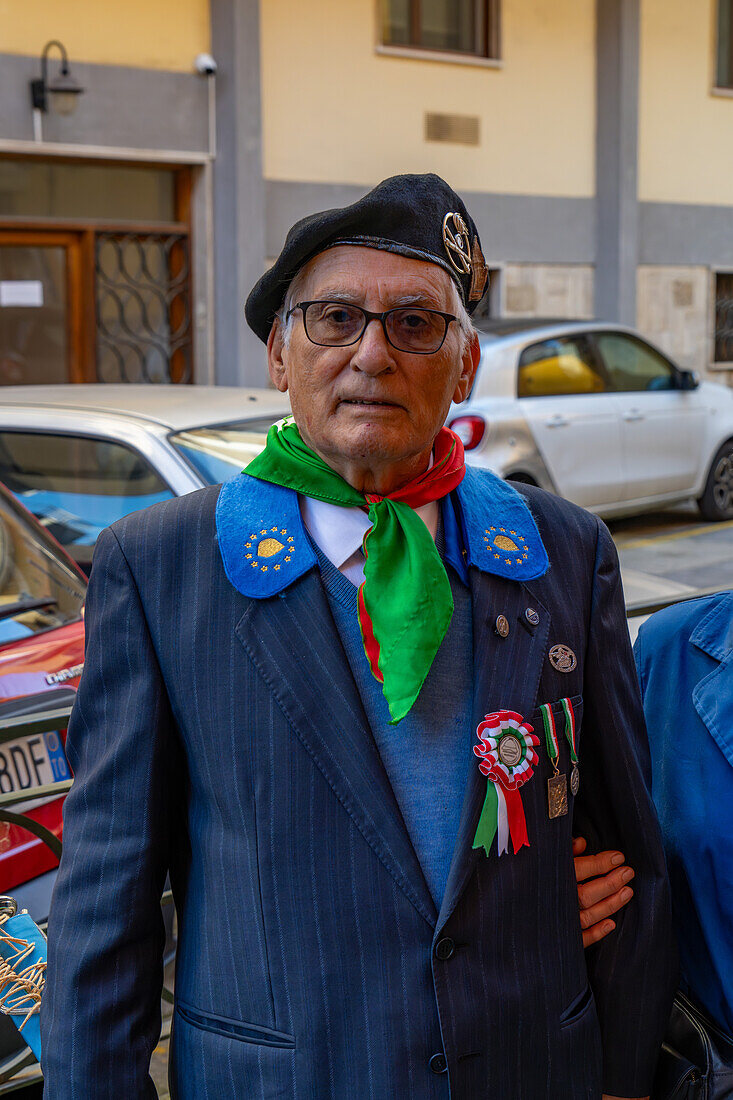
(557, 795)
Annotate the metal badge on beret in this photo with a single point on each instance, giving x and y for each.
(479, 273)
(562, 658)
(455, 238)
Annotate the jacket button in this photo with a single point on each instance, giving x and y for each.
(532, 617)
(438, 1063)
(444, 949)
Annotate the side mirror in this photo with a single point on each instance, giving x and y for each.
(688, 380)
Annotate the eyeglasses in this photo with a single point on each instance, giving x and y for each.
(407, 328)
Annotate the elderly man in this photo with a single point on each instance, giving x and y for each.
(346, 700)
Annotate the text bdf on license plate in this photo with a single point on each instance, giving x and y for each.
(32, 762)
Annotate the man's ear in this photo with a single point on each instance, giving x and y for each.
(469, 366)
(275, 365)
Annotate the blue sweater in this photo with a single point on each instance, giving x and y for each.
(427, 755)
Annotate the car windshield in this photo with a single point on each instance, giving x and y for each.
(38, 589)
(219, 453)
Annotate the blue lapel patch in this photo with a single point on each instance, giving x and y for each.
(264, 545)
(261, 536)
(499, 531)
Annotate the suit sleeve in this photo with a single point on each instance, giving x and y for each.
(633, 971)
(100, 1019)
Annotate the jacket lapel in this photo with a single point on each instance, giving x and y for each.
(293, 641)
(506, 676)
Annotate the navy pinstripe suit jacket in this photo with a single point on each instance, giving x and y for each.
(222, 738)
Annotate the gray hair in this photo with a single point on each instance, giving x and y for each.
(465, 325)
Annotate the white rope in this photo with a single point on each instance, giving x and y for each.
(20, 989)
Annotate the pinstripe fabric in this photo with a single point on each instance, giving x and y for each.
(224, 737)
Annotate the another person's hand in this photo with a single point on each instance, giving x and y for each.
(602, 890)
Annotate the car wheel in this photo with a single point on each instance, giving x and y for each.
(716, 502)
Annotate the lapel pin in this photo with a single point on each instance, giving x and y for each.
(562, 658)
(501, 626)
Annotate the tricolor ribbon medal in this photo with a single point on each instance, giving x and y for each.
(507, 758)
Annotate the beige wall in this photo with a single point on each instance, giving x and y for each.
(153, 34)
(547, 290)
(336, 110)
(685, 132)
(673, 310)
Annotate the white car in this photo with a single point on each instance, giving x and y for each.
(596, 414)
(82, 456)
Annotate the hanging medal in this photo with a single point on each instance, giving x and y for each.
(557, 784)
(507, 758)
(570, 734)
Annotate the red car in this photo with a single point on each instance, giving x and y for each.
(42, 596)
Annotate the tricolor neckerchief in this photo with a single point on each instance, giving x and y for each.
(405, 603)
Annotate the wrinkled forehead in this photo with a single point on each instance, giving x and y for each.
(361, 274)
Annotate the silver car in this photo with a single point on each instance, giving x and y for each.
(596, 414)
(80, 457)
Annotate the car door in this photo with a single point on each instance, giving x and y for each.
(574, 418)
(662, 425)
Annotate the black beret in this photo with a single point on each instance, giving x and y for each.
(416, 216)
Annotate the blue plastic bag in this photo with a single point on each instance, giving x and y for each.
(23, 949)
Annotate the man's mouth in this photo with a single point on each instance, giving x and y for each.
(370, 402)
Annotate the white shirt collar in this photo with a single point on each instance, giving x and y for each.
(339, 532)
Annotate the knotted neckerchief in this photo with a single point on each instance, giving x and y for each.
(405, 602)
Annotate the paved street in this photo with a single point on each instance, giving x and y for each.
(672, 554)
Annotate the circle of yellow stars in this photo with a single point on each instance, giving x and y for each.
(253, 558)
(499, 538)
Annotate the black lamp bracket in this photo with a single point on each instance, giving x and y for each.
(40, 87)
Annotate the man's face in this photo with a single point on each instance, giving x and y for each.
(369, 403)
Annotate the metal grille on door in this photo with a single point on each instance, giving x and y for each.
(143, 292)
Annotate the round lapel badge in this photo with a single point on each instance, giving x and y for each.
(510, 750)
(562, 658)
(455, 239)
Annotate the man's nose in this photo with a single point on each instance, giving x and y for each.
(373, 354)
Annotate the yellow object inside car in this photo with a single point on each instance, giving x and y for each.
(565, 372)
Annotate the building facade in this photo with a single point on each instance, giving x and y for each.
(592, 139)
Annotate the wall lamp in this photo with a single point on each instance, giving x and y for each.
(61, 92)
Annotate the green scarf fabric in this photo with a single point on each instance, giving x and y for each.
(405, 603)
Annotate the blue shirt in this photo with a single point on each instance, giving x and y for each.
(685, 659)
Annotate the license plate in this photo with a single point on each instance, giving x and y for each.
(32, 762)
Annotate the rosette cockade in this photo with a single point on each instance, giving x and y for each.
(507, 757)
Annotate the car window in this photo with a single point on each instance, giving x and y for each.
(75, 485)
(220, 453)
(632, 365)
(38, 589)
(564, 365)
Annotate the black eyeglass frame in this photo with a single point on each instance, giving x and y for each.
(368, 318)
